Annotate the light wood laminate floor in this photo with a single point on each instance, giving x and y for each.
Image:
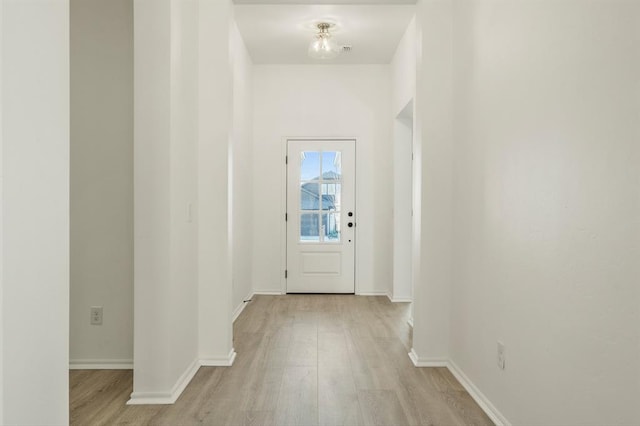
(302, 360)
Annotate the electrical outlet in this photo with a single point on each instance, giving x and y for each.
(96, 315)
(501, 355)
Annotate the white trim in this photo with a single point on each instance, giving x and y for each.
(238, 310)
(410, 322)
(268, 293)
(100, 364)
(219, 362)
(144, 398)
(484, 402)
(283, 211)
(426, 362)
(399, 299)
(372, 293)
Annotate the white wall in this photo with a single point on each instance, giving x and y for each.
(403, 70)
(101, 181)
(324, 101)
(547, 229)
(1, 220)
(242, 174)
(35, 212)
(433, 182)
(403, 87)
(184, 182)
(215, 116)
(402, 289)
(166, 134)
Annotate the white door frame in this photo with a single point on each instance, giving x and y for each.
(283, 205)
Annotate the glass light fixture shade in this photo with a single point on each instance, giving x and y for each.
(322, 46)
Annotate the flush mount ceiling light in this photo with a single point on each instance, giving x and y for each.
(322, 47)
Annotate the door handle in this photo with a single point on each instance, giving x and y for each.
(350, 224)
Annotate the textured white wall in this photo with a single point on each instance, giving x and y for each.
(324, 101)
(35, 212)
(101, 180)
(547, 208)
(242, 173)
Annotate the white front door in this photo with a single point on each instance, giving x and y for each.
(321, 216)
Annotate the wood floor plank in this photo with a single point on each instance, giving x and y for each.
(298, 400)
(381, 407)
(302, 360)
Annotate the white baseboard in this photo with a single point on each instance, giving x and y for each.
(147, 398)
(100, 364)
(426, 362)
(399, 299)
(478, 396)
(163, 398)
(238, 310)
(219, 362)
(268, 293)
(485, 404)
(372, 293)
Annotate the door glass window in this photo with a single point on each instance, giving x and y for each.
(310, 196)
(309, 165)
(309, 227)
(320, 196)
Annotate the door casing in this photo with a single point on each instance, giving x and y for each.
(283, 205)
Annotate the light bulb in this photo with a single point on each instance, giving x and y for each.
(322, 47)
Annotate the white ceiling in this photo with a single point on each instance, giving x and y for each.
(280, 34)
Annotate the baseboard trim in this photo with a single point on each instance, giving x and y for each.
(164, 398)
(100, 364)
(219, 362)
(241, 306)
(268, 293)
(399, 299)
(372, 293)
(484, 402)
(426, 362)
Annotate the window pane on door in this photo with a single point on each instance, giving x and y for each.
(310, 196)
(309, 165)
(331, 165)
(331, 227)
(309, 227)
(331, 196)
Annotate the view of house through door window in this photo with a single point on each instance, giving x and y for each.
(320, 194)
(321, 216)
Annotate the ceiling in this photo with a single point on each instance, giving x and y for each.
(281, 33)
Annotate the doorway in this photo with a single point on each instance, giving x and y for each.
(402, 289)
(321, 216)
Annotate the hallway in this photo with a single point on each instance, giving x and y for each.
(302, 360)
